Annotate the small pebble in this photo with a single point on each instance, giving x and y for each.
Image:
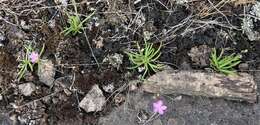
(55, 100)
(67, 92)
(133, 85)
(27, 88)
(243, 66)
(178, 98)
(2, 39)
(94, 100)
(46, 72)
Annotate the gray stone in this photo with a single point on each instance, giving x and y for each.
(187, 111)
(94, 100)
(27, 88)
(46, 72)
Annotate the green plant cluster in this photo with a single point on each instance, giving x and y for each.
(224, 64)
(146, 58)
(75, 24)
(25, 63)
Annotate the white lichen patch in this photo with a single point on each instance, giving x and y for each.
(247, 27)
(115, 60)
(248, 23)
(255, 10)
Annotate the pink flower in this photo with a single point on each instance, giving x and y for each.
(34, 57)
(158, 107)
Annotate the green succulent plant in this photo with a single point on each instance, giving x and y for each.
(145, 58)
(75, 24)
(27, 62)
(224, 64)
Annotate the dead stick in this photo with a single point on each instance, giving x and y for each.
(240, 87)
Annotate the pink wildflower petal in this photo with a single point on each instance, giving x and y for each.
(157, 104)
(158, 107)
(34, 57)
(155, 107)
(164, 107)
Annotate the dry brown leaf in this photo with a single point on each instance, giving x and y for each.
(99, 42)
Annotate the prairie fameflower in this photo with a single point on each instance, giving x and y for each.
(34, 57)
(30, 58)
(159, 107)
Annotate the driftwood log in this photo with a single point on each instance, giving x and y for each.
(241, 87)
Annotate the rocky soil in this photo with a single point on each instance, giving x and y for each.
(85, 79)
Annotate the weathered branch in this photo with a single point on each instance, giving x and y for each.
(240, 87)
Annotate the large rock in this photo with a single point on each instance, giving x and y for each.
(189, 110)
(94, 100)
(46, 72)
(27, 88)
